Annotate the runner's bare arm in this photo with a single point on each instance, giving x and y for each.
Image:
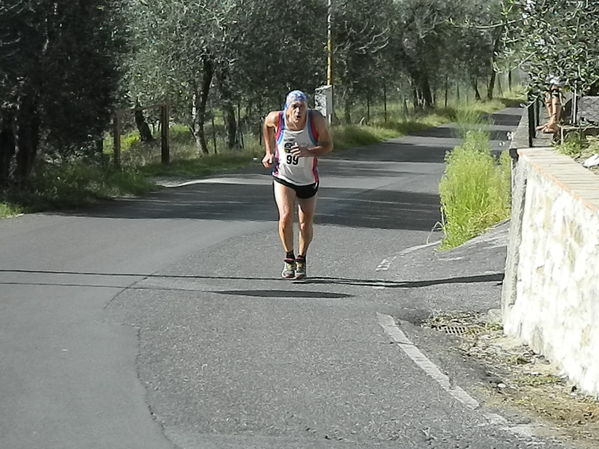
(325, 141)
(270, 125)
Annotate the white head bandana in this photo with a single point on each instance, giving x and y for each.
(295, 95)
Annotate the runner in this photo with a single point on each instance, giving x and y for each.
(293, 139)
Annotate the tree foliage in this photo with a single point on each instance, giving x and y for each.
(361, 35)
(229, 51)
(556, 38)
(61, 62)
(58, 78)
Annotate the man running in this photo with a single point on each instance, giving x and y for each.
(294, 138)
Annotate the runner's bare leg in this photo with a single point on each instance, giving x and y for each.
(285, 199)
(306, 209)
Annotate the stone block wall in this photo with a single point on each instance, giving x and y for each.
(551, 289)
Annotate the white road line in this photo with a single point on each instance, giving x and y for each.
(422, 361)
(416, 248)
(385, 264)
(388, 324)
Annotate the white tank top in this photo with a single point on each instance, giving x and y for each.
(299, 171)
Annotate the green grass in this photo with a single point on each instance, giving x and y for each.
(202, 166)
(475, 189)
(578, 146)
(7, 209)
(467, 115)
(70, 185)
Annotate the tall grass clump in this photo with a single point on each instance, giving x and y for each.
(470, 118)
(75, 183)
(475, 189)
(578, 146)
(8, 210)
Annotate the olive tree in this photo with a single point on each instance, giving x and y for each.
(58, 79)
(556, 38)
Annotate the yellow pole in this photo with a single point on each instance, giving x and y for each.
(329, 44)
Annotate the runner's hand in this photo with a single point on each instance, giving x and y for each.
(267, 160)
(298, 151)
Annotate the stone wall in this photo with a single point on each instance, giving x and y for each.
(551, 288)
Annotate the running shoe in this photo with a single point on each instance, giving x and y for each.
(300, 268)
(288, 269)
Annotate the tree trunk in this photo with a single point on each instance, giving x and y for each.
(228, 109)
(7, 147)
(200, 100)
(427, 94)
(446, 99)
(496, 46)
(416, 98)
(27, 140)
(230, 125)
(198, 119)
(491, 87)
(385, 102)
(423, 95)
(145, 135)
(477, 96)
(347, 106)
(99, 150)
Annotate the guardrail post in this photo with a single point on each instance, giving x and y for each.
(531, 124)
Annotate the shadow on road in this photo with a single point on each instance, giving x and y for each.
(237, 202)
(249, 197)
(493, 277)
(284, 294)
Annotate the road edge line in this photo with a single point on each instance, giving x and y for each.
(388, 324)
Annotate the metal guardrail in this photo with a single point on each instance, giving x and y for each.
(534, 116)
(525, 134)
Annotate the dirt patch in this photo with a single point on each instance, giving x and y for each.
(521, 379)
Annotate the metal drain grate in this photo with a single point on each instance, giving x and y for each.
(459, 330)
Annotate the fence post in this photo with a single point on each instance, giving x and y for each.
(385, 101)
(116, 130)
(213, 133)
(164, 144)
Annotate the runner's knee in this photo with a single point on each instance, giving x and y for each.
(286, 217)
(305, 224)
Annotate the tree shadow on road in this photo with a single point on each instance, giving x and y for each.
(381, 283)
(494, 277)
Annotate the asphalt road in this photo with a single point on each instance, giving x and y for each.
(161, 322)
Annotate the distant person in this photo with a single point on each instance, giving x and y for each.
(294, 138)
(553, 105)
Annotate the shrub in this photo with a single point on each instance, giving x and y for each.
(79, 182)
(475, 190)
(8, 210)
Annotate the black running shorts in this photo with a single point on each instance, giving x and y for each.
(303, 192)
